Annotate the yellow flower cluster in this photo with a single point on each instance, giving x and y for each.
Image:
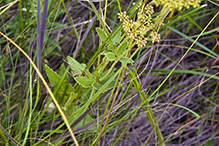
(177, 4)
(137, 29)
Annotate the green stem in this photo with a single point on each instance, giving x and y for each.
(147, 107)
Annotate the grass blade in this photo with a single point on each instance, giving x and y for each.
(47, 87)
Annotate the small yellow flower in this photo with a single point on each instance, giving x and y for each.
(177, 4)
(136, 29)
(155, 37)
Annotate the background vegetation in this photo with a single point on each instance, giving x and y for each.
(87, 73)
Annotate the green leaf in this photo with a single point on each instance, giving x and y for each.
(110, 56)
(209, 143)
(54, 78)
(106, 51)
(86, 95)
(110, 47)
(69, 101)
(97, 86)
(112, 71)
(66, 88)
(61, 70)
(101, 34)
(90, 76)
(101, 83)
(75, 65)
(84, 81)
(116, 38)
(124, 59)
(71, 110)
(122, 49)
